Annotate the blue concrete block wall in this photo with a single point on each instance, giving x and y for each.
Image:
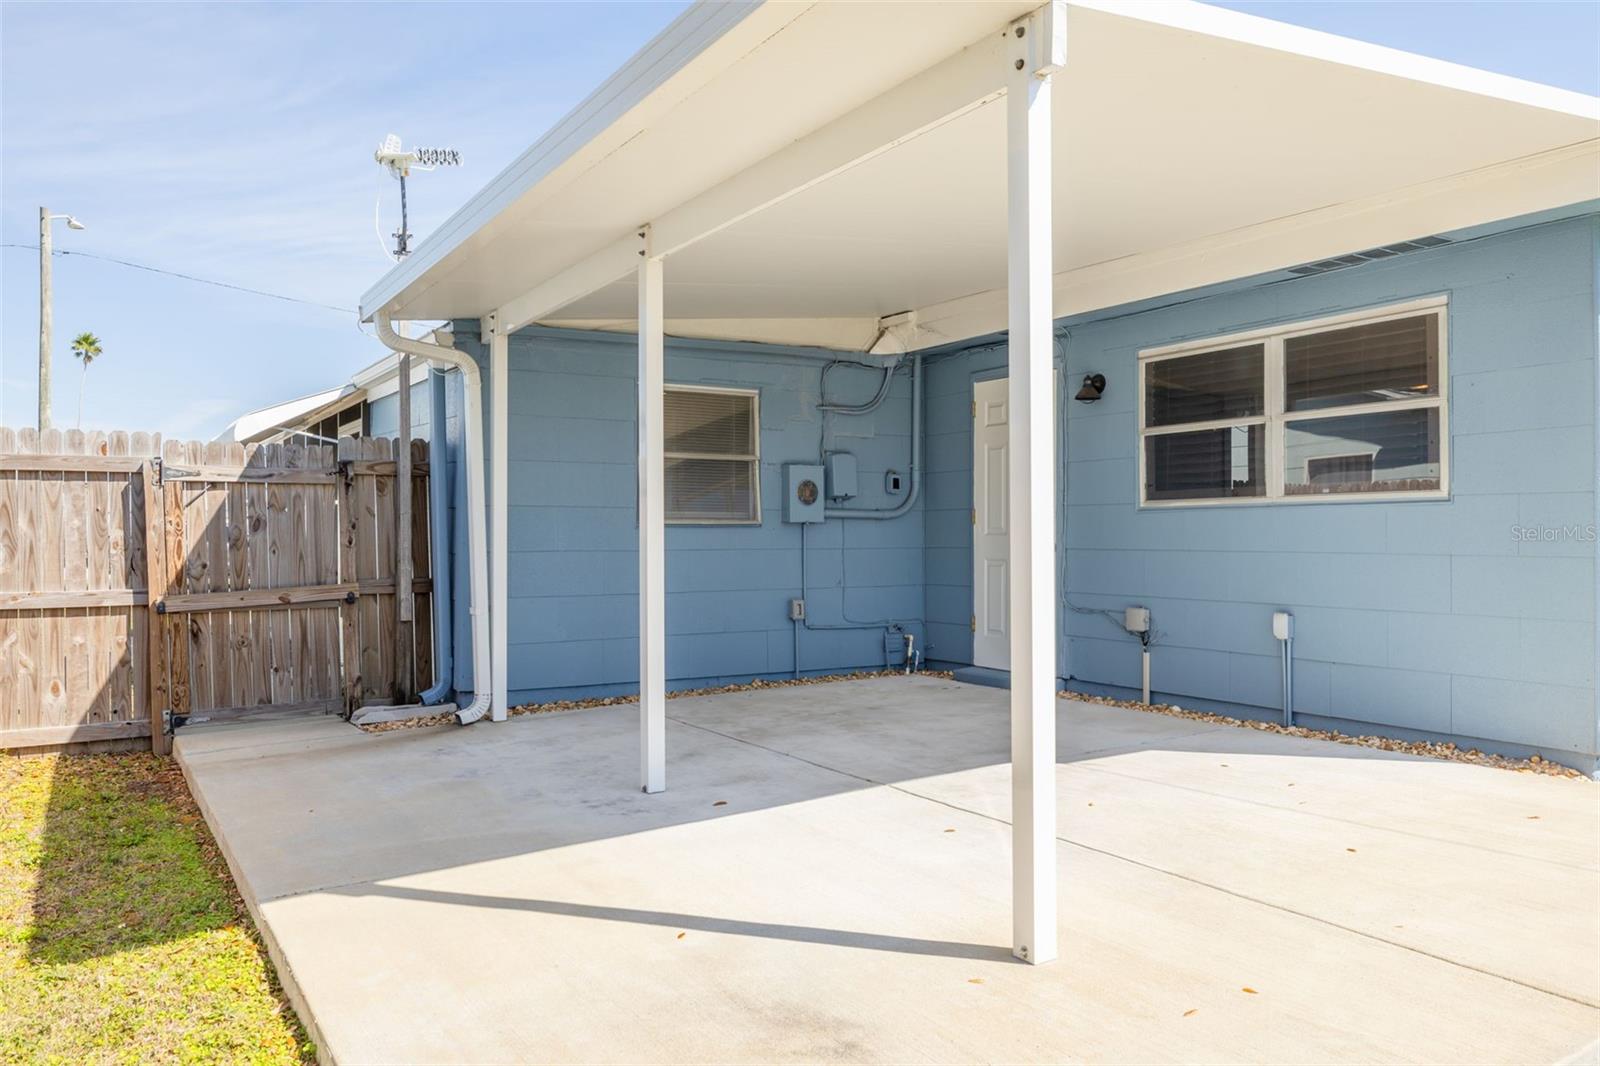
(1426, 616)
(573, 570)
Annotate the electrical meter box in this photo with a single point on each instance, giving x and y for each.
(841, 475)
(802, 488)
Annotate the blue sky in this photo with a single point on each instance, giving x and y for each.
(235, 142)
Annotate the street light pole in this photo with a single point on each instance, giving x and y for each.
(44, 318)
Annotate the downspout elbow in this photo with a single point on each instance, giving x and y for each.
(477, 512)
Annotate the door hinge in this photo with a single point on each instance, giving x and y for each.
(974, 408)
(974, 516)
(973, 623)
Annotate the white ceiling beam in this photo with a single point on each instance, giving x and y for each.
(611, 263)
(946, 91)
(1508, 190)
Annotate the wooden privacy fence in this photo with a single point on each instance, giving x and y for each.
(209, 580)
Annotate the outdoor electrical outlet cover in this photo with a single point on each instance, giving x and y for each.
(797, 610)
(1282, 625)
(892, 483)
(1136, 619)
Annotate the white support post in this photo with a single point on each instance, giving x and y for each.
(499, 433)
(1035, 54)
(652, 523)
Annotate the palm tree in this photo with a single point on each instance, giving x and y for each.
(85, 346)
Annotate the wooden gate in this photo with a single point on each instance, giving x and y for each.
(217, 581)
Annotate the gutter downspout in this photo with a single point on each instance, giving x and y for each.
(477, 512)
(439, 542)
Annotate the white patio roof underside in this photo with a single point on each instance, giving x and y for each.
(811, 169)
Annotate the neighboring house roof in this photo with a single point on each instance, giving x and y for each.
(846, 166)
(263, 423)
(371, 382)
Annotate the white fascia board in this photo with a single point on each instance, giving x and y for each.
(596, 125)
(1549, 180)
(944, 92)
(1331, 48)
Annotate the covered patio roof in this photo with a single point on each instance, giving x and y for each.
(887, 177)
(813, 169)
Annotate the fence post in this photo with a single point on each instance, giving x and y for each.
(348, 512)
(156, 582)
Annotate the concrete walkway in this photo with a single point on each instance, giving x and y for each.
(827, 879)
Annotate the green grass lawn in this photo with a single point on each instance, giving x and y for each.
(121, 936)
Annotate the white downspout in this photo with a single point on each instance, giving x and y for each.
(477, 512)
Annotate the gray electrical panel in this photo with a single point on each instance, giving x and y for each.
(802, 493)
(841, 476)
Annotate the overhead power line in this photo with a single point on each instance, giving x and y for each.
(191, 277)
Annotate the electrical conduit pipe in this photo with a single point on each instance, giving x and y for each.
(477, 511)
(915, 473)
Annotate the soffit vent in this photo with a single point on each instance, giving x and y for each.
(1371, 255)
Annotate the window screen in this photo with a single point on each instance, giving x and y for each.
(1206, 464)
(1354, 407)
(712, 461)
(1371, 363)
(1375, 451)
(1205, 387)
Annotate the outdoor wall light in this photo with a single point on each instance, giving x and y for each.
(1094, 386)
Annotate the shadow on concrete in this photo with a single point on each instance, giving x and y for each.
(359, 807)
(700, 923)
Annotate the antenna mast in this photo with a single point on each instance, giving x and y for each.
(399, 162)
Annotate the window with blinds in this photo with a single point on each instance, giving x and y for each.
(712, 459)
(1351, 407)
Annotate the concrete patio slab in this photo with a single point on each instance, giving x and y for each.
(827, 878)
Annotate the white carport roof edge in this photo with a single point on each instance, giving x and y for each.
(710, 36)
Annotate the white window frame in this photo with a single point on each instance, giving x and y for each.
(754, 457)
(1275, 418)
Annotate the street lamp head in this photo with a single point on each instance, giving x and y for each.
(73, 223)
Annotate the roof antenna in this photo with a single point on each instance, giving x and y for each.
(399, 162)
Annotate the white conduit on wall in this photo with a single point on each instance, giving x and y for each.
(477, 512)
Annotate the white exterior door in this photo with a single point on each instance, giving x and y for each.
(991, 508)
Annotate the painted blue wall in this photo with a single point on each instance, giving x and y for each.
(383, 414)
(1423, 616)
(1417, 617)
(573, 532)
